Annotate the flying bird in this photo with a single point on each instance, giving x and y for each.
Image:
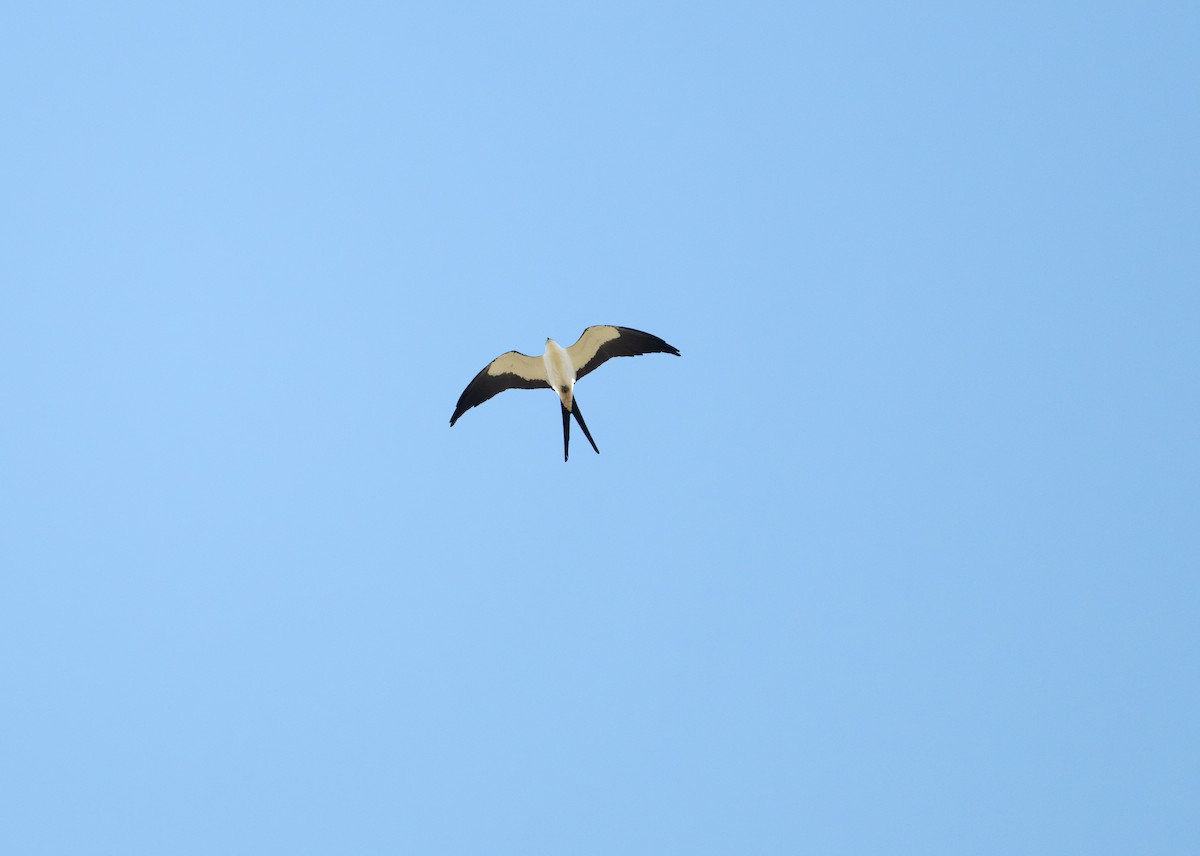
(559, 369)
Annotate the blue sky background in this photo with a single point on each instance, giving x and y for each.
(900, 557)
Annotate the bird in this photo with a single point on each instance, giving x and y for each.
(559, 369)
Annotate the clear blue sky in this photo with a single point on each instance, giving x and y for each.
(901, 556)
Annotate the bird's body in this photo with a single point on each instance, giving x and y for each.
(559, 369)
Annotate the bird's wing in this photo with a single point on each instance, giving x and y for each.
(507, 371)
(601, 343)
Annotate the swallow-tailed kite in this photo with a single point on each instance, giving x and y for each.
(559, 369)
